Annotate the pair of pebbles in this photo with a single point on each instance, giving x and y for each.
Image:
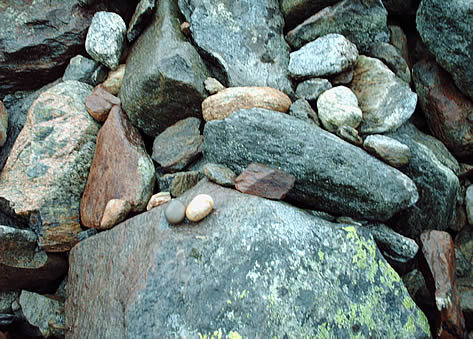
(197, 209)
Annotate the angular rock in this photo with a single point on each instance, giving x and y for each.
(439, 273)
(81, 69)
(6, 300)
(285, 265)
(3, 124)
(392, 57)
(140, 18)
(178, 183)
(301, 109)
(158, 199)
(437, 185)
(46, 172)
(113, 83)
(386, 101)
(175, 212)
(264, 181)
(388, 149)
(281, 141)
(178, 145)
(164, 79)
(243, 39)
(445, 28)
(221, 105)
(219, 174)
(350, 135)
(338, 107)
(328, 55)
(45, 313)
(311, 89)
(115, 212)
(100, 102)
(23, 266)
(129, 176)
(213, 86)
(105, 38)
(448, 112)
(469, 204)
(199, 207)
(361, 22)
(296, 11)
(399, 40)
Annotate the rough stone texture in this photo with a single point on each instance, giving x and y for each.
(100, 102)
(445, 28)
(350, 135)
(45, 313)
(261, 273)
(221, 105)
(360, 21)
(213, 86)
(140, 18)
(343, 78)
(469, 204)
(164, 78)
(178, 145)
(439, 273)
(23, 266)
(464, 243)
(158, 199)
(6, 300)
(332, 176)
(399, 40)
(328, 55)
(81, 69)
(337, 107)
(129, 176)
(115, 212)
(178, 183)
(393, 152)
(296, 11)
(3, 124)
(243, 39)
(392, 57)
(448, 112)
(264, 181)
(46, 172)
(105, 38)
(386, 101)
(311, 89)
(301, 109)
(113, 83)
(437, 184)
(219, 174)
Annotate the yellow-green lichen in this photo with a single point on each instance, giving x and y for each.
(321, 256)
(365, 253)
(234, 335)
(408, 303)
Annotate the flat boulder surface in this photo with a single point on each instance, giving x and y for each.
(330, 174)
(253, 268)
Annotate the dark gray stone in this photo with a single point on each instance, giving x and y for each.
(392, 57)
(438, 186)
(445, 27)
(350, 135)
(178, 183)
(362, 22)
(140, 19)
(331, 174)
(311, 89)
(81, 69)
(296, 11)
(401, 7)
(253, 268)
(219, 174)
(164, 78)
(301, 109)
(244, 39)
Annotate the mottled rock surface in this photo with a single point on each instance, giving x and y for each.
(100, 102)
(274, 264)
(225, 102)
(46, 172)
(140, 18)
(129, 176)
(301, 109)
(365, 187)
(386, 101)
(349, 134)
(158, 199)
(219, 174)
(469, 204)
(113, 83)
(3, 124)
(391, 56)
(243, 38)
(178, 183)
(164, 78)
(82, 69)
(312, 88)
(388, 149)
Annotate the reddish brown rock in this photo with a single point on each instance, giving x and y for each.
(440, 275)
(221, 105)
(100, 102)
(3, 124)
(448, 112)
(263, 181)
(121, 169)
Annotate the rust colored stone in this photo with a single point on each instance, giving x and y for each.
(121, 169)
(100, 102)
(261, 180)
(440, 275)
(221, 105)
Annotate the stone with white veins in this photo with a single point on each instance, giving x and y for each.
(338, 107)
(386, 101)
(328, 55)
(105, 38)
(388, 149)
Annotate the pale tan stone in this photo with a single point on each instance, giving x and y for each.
(221, 105)
(158, 199)
(113, 83)
(199, 207)
(115, 212)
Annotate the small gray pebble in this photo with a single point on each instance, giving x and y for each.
(175, 212)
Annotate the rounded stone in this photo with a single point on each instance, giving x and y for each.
(199, 207)
(175, 212)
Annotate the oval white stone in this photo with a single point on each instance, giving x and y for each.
(199, 207)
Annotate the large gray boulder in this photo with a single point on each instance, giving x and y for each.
(164, 77)
(254, 268)
(445, 27)
(244, 39)
(331, 174)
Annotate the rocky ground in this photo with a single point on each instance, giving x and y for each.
(236, 169)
